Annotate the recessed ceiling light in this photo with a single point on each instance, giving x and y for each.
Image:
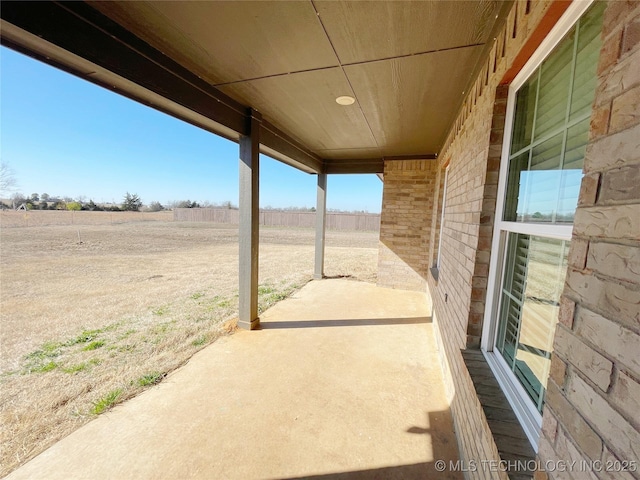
(345, 100)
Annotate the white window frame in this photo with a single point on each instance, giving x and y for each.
(444, 203)
(523, 406)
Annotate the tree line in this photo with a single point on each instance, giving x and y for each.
(131, 202)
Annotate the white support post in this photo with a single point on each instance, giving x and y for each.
(249, 228)
(321, 223)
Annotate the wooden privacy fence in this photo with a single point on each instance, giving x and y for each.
(41, 218)
(335, 221)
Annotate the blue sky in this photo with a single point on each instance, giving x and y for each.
(65, 136)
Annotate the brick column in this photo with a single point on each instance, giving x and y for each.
(405, 223)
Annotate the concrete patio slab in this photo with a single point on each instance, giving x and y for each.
(342, 381)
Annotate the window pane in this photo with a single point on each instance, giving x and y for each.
(546, 156)
(555, 76)
(525, 108)
(546, 190)
(508, 334)
(512, 296)
(545, 169)
(532, 190)
(584, 83)
(569, 189)
(543, 182)
(516, 188)
(531, 288)
(577, 137)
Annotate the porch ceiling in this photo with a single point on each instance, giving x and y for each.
(407, 65)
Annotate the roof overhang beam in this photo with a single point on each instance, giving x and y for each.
(78, 39)
(369, 165)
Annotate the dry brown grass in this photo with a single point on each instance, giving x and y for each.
(41, 218)
(93, 310)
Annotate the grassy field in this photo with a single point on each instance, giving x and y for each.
(93, 314)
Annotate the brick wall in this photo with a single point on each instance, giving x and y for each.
(594, 389)
(405, 223)
(458, 294)
(593, 395)
(473, 149)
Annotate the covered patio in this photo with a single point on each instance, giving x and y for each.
(315, 84)
(344, 380)
(341, 381)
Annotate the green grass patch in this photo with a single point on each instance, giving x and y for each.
(150, 379)
(106, 402)
(201, 340)
(217, 303)
(160, 311)
(48, 350)
(163, 328)
(196, 296)
(41, 360)
(43, 367)
(85, 337)
(81, 367)
(265, 289)
(93, 345)
(77, 368)
(269, 295)
(224, 303)
(127, 333)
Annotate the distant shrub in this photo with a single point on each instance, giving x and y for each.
(155, 207)
(131, 202)
(92, 206)
(186, 204)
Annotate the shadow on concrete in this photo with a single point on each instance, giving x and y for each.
(414, 471)
(335, 277)
(444, 465)
(343, 323)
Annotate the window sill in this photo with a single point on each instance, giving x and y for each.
(513, 444)
(434, 274)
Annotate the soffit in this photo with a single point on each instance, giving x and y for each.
(406, 63)
(305, 103)
(406, 118)
(229, 41)
(362, 31)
